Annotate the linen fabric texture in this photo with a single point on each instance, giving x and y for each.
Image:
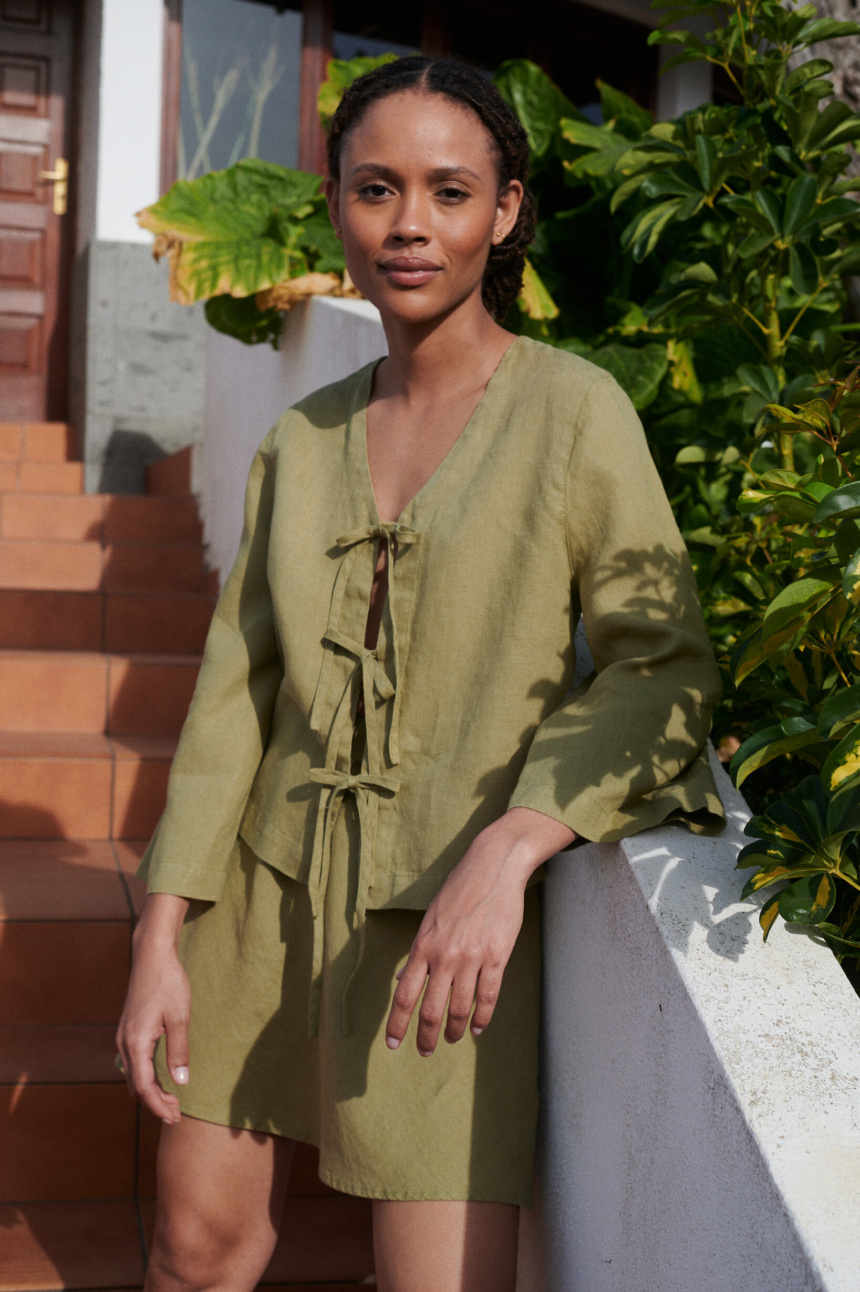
(322, 792)
(458, 1126)
(548, 506)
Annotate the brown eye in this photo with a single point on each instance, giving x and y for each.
(377, 189)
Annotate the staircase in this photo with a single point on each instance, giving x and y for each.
(104, 605)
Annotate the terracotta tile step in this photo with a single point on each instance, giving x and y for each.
(53, 1245)
(104, 518)
(63, 971)
(79, 785)
(86, 566)
(41, 477)
(67, 879)
(37, 442)
(126, 622)
(93, 691)
(58, 1054)
(66, 1142)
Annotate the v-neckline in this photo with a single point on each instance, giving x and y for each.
(451, 453)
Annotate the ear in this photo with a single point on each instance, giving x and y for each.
(331, 189)
(507, 209)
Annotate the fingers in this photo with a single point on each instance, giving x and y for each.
(431, 1014)
(136, 1053)
(460, 1005)
(489, 982)
(443, 992)
(410, 984)
(177, 1048)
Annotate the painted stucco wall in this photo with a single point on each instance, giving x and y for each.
(247, 390)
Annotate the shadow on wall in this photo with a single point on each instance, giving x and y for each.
(128, 455)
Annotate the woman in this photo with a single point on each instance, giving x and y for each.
(383, 750)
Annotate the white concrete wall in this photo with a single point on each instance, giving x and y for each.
(701, 1115)
(249, 387)
(129, 119)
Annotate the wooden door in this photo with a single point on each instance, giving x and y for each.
(36, 82)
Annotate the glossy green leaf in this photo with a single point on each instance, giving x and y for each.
(807, 72)
(764, 878)
(841, 770)
(625, 113)
(767, 915)
(242, 319)
(706, 156)
(840, 708)
(846, 540)
(754, 243)
(769, 205)
(783, 738)
(836, 209)
(536, 99)
(808, 900)
(826, 29)
(851, 580)
(340, 74)
(802, 269)
(841, 504)
(799, 202)
(785, 620)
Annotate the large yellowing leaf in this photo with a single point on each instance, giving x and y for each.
(239, 231)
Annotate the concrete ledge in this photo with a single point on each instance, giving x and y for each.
(701, 1125)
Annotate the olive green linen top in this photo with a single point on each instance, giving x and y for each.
(547, 506)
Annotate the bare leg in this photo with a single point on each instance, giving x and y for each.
(220, 1201)
(445, 1246)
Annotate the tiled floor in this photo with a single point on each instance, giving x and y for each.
(104, 606)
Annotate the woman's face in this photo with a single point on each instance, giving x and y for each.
(418, 204)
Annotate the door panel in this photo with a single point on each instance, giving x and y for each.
(36, 78)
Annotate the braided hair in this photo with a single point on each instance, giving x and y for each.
(503, 275)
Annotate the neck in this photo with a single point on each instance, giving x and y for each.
(463, 349)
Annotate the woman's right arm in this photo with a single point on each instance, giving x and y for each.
(158, 1003)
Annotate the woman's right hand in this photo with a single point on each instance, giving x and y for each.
(158, 1003)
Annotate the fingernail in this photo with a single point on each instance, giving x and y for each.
(476, 1031)
(392, 1042)
(399, 973)
(425, 1054)
(180, 1076)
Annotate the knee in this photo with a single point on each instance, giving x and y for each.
(190, 1253)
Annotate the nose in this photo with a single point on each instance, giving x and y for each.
(411, 220)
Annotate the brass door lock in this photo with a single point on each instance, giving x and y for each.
(60, 176)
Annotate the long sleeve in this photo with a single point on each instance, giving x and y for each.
(626, 749)
(227, 727)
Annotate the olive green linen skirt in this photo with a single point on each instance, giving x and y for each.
(388, 1124)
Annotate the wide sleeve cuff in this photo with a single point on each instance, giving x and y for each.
(691, 798)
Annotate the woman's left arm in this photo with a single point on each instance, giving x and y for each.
(469, 930)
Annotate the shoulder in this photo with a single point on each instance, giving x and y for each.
(571, 397)
(550, 373)
(327, 409)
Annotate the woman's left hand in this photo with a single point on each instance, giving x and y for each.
(469, 930)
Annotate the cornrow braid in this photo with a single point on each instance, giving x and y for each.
(503, 275)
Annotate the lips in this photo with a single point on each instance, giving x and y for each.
(409, 271)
